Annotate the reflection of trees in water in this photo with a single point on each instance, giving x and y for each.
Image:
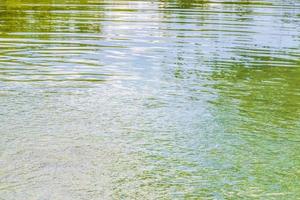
(260, 95)
(253, 80)
(254, 92)
(48, 16)
(48, 30)
(186, 3)
(259, 105)
(263, 96)
(189, 3)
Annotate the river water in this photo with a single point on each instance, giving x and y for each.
(136, 99)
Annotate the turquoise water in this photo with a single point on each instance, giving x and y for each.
(149, 99)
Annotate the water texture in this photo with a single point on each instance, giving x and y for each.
(136, 99)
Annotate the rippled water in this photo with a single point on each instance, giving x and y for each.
(120, 99)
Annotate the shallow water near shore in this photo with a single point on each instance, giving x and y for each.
(119, 99)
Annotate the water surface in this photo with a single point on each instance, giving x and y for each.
(120, 99)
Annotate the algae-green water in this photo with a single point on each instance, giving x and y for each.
(140, 99)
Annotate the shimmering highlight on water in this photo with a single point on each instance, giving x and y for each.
(178, 99)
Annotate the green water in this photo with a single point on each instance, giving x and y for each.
(138, 99)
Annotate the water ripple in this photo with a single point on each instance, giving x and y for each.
(136, 99)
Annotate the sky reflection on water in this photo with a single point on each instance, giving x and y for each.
(149, 99)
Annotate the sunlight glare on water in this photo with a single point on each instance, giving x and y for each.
(136, 99)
